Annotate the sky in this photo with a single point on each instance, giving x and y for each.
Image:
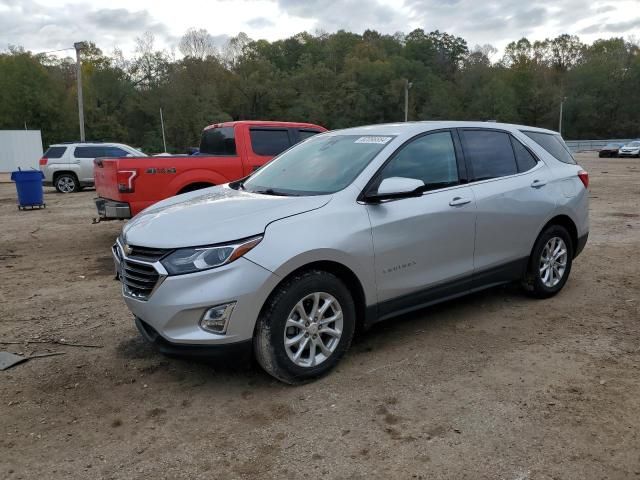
(45, 25)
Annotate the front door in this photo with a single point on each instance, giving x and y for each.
(424, 245)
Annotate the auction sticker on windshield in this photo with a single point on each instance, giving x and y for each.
(371, 139)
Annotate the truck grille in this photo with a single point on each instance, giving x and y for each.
(138, 279)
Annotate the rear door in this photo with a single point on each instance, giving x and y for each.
(265, 143)
(85, 155)
(509, 186)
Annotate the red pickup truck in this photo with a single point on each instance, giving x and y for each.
(228, 151)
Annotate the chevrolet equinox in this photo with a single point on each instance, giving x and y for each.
(348, 228)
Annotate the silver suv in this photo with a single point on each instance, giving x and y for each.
(69, 166)
(348, 228)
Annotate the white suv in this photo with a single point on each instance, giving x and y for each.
(69, 166)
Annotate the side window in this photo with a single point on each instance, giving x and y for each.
(430, 158)
(304, 134)
(269, 142)
(525, 160)
(490, 153)
(553, 144)
(83, 152)
(115, 152)
(218, 141)
(54, 152)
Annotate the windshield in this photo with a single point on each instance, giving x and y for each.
(633, 144)
(320, 165)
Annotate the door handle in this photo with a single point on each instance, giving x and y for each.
(457, 201)
(538, 183)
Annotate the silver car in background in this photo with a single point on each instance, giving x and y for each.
(631, 149)
(348, 228)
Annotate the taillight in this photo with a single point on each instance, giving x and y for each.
(584, 178)
(43, 161)
(125, 180)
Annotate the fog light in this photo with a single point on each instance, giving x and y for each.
(216, 318)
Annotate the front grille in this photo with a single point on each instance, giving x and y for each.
(147, 254)
(139, 279)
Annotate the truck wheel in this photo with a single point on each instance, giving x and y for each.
(67, 183)
(550, 263)
(305, 327)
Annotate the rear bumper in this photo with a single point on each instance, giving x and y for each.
(582, 241)
(111, 209)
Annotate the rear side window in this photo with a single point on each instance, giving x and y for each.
(304, 134)
(553, 144)
(269, 142)
(90, 152)
(490, 153)
(218, 141)
(525, 160)
(55, 152)
(430, 158)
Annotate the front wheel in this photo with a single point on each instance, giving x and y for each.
(305, 328)
(550, 263)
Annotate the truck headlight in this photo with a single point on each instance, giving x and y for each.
(189, 260)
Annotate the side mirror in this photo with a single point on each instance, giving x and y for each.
(396, 187)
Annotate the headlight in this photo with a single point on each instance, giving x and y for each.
(188, 260)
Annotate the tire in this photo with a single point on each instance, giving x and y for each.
(66, 183)
(281, 319)
(546, 277)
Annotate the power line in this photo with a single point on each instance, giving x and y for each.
(54, 51)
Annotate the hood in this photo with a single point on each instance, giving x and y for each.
(213, 215)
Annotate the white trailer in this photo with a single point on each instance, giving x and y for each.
(19, 149)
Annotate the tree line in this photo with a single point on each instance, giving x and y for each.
(337, 80)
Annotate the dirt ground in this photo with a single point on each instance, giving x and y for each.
(495, 385)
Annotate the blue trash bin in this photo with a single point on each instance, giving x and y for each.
(29, 187)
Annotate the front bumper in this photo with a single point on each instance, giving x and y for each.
(168, 348)
(175, 307)
(111, 209)
(634, 153)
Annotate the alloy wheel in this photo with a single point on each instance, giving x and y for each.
(553, 262)
(66, 184)
(313, 329)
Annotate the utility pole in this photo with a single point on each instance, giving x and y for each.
(560, 122)
(407, 86)
(79, 46)
(164, 142)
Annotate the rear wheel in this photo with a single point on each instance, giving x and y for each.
(305, 328)
(550, 263)
(67, 183)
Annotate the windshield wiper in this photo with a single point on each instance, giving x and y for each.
(275, 193)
